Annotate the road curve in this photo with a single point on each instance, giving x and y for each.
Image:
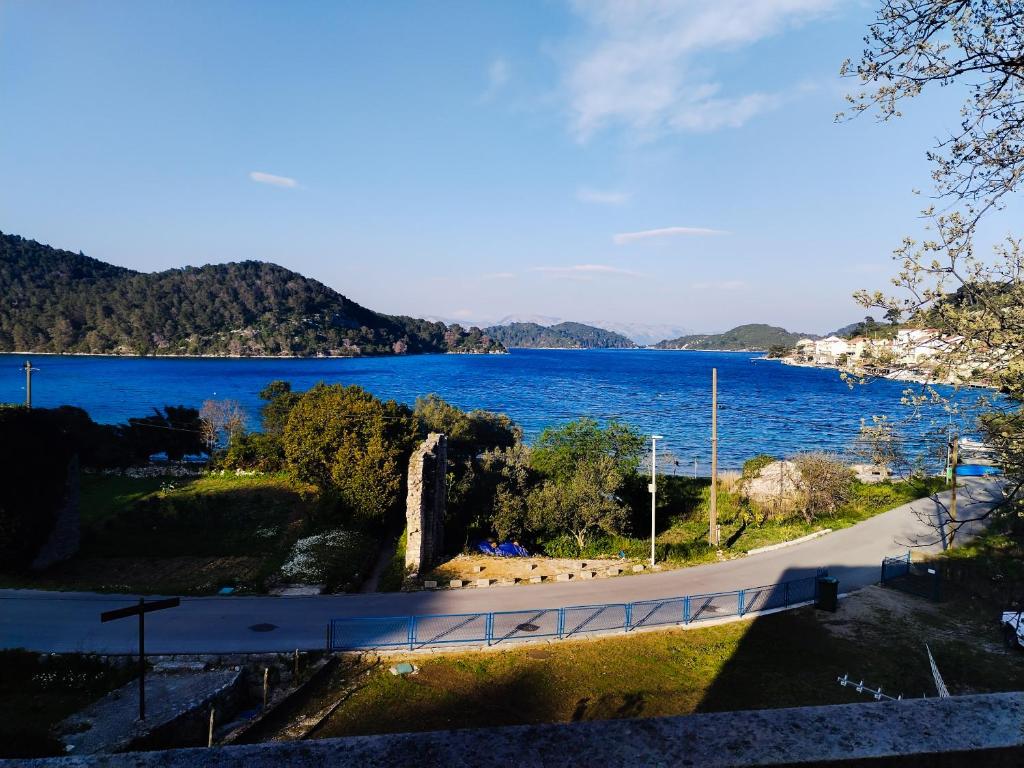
(69, 621)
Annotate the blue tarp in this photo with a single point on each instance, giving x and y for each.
(977, 470)
(505, 549)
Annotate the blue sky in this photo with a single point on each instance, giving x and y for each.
(470, 160)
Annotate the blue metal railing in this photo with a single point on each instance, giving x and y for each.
(895, 567)
(496, 627)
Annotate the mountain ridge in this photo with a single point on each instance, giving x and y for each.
(60, 301)
(564, 335)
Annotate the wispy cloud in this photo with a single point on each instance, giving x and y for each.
(647, 64)
(276, 181)
(499, 276)
(630, 237)
(601, 196)
(586, 271)
(498, 74)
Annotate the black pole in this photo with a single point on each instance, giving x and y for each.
(142, 659)
(28, 383)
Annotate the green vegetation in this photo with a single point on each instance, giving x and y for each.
(781, 660)
(560, 336)
(37, 691)
(189, 535)
(59, 301)
(755, 337)
(394, 575)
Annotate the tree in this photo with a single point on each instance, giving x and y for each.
(176, 431)
(917, 44)
(468, 434)
(352, 446)
(279, 401)
(582, 503)
(878, 444)
(975, 304)
(220, 421)
(559, 451)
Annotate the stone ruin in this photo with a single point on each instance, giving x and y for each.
(778, 486)
(424, 505)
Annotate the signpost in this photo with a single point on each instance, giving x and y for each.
(141, 610)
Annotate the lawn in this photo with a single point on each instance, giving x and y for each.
(192, 535)
(683, 510)
(780, 660)
(38, 691)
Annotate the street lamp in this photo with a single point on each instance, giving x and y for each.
(653, 487)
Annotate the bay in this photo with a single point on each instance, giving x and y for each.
(764, 406)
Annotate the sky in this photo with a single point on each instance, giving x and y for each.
(652, 161)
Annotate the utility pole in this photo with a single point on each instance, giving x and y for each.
(654, 487)
(954, 457)
(27, 367)
(713, 533)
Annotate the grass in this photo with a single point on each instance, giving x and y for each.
(38, 691)
(683, 505)
(185, 535)
(787, 659)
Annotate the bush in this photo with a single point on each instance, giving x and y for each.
(828, 483)
(256, 450)
(752, 467)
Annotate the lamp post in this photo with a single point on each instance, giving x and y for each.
(653, 487)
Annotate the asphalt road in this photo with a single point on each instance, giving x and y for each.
(69, 621)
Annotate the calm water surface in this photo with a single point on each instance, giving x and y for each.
(765, 407)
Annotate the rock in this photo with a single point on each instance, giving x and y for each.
(478, 569)
(777, 483)
(585, 575)
(430, 584)
(483, 582)
(506, 582)
(613, 571)
(456, 583)
(563, 577)
(638, 567)
(536, 579)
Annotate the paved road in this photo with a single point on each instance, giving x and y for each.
(66, 621)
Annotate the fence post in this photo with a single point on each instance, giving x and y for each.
(786, 593)
(686, 610)
(412, 632)
(629, 616)
(489, 627)
(330, 639)
(561, 622)
(741, 599)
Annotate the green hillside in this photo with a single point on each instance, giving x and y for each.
(59, 301)
(560, 336)
(754, 337)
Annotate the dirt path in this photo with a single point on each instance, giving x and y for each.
(387, 551)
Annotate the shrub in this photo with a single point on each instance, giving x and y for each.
(751, 467)
(828, 483)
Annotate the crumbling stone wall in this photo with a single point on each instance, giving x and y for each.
(424, 505)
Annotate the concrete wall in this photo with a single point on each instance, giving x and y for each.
(973, 731)
(424, 505)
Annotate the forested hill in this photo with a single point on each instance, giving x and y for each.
(560, 336)
(58, 301)
(753, 337)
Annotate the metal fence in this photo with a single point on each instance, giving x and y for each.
(923, 579)
(496, 627)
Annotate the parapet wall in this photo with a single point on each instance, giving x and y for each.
(424, 505)
(971, 731)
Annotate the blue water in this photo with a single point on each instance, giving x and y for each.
(765, 407)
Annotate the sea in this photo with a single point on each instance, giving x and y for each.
(763, 405)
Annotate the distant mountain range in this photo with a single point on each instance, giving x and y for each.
(755, 337)
(53, 300)
(558, 336)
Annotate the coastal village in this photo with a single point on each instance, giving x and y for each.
(911, 354)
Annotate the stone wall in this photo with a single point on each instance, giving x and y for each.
(67, 524)
(424, 505)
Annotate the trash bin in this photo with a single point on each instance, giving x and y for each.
(828, 594)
